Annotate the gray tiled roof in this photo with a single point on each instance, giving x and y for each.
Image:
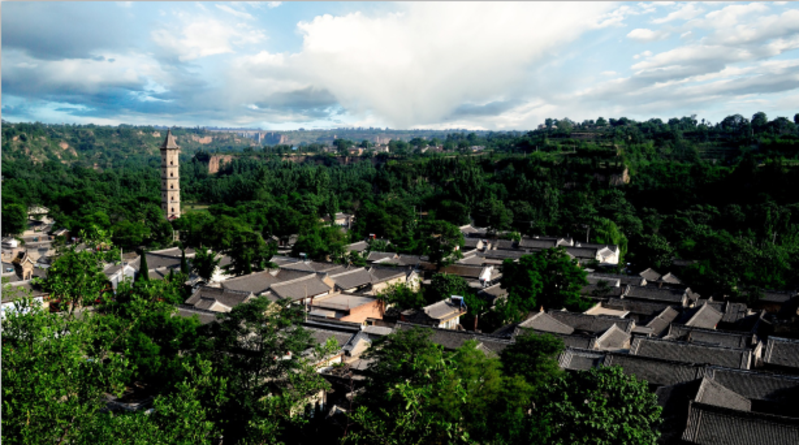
(570, 341)
(207, 298)
(757, 385)
(594, 290)
(320, 336)
(691, 352)
(360, 246)
(782, 352)
(772, 296)
(704, 317)
(713, 425)
(646, 308)
(591, 323)
(463, 270)
(663, 295)
(713, 393)
(451, 339)
(381, 274)
(583, 253)
(342, 302)
(443, 309)
(205, 317)
(352, 278)
(300, 288)
(537, 244)
(541, 321)
(505, 244)
(580, 359)
(256, 283)
(661, 322)
(650, 275)
(501, 254)
(670, 278)
(630, 280)
(613, 339)
(656, 371)
(710, 336)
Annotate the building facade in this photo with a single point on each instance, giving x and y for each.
(170, 177)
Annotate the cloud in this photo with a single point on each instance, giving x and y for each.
(643, 54)
(273, 4)
(409, 66)
(202, 37)
(235, 12)
(686, 12)
(608, 73)
(646, 35)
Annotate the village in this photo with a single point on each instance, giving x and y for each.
(723, 372)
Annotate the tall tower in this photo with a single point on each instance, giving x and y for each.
(170, 177)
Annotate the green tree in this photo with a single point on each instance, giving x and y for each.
(443, 243)
(548, 278)
(144, 268)
(598, 406)
(401, 296)
(249, 249)
(533, 357)
(184, 265)
(15, 218)
(492, 214)
(443, 286)
(75, 278)
(262, 351)
(205, 263)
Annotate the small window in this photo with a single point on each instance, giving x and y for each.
(171, 162)
(173, 209)
(171, 175)
(172, 186)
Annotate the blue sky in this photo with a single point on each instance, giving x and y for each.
(495, 66)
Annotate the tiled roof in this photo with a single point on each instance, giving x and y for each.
(541, 321)
(662, 321)
(613, 339)
(771, 296)
(320, 336)
(342, 302)
(351, 279)
(471, 243)
(360, 246)
(217, 299)
(757, 385)
(300, 288)
(591, 323)
(463, 270)
(629, 280)
(713, 425)
(709, 336)
(670, 278)
(505, 244)
(645, 308)
(583, 253)
(580, 359)
(537, 244)
(256, 283)
(713, 393)
(205, 317)
(650, 275)
(501, 254)
(594, 290)
(704, 317)
(169, 141)
(443, 310)
(570, 341)
(782, 352)
(664, 295)
(734, 312)
(656, 371)
(451, 339)
(381, 274)
(691, 352)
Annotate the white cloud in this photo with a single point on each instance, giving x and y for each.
(686, 12)
(646, 35)
(235, 12)
(124, 4)
(419, 65)
(608, 73)
(273, 4)
(646, 53)
(202, 37)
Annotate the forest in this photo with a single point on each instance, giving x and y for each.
(718, 202)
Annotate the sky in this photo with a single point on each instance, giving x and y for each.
(491, 66)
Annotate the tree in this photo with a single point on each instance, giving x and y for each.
(759, 121)
(413, 395)
(598, 406)
(401, 296)
(184, 265)
(796, 119)
(263, 352)
(144, 268)
(534, 357)
(443, 286)
(205, 263)
(75, 278)
(249, 249)
(492, 214)
(548, 278)
(654, 251)
(443, 243)
(14, 218)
